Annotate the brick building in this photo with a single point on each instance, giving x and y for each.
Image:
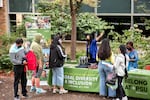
(3, 17)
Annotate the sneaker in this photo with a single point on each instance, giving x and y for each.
(25, 96)
(116, 99)
(40, 90)
(55, 90)
(125, 98)
(32, 89)
(17, 98)
(63, 91)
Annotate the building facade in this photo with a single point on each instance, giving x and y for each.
(123, 14)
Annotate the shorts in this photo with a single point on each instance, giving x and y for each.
(37, 73)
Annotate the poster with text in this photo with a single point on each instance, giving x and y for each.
(38, 25)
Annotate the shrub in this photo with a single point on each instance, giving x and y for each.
(5, 62)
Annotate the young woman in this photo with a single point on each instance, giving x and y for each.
(91, 47)
(120, 65)
(133, 55)
(104, 54)
(56, 62)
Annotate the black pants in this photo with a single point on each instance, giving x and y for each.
(19, 74)
(120, 91)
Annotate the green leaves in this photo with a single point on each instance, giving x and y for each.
(5, 62)
(88, 23)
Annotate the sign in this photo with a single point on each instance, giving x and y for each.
(80, 79)
(38, 25)
(138, 84)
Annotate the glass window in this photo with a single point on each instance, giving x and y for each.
(86, 8)
(114, 6)
(142, 6)
(20, 6)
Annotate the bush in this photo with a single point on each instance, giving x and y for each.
(5, 43)
(5, 62)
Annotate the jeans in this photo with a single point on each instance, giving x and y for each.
(19, 74)
(103, 72)
(58, 76)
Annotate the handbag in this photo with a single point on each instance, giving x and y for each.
(111, 78)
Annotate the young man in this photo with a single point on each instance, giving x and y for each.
(17, 57)
(37, 49)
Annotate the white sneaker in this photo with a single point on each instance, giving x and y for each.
(40, 90)
(16, 98)
(55, 90)
(63, 91)
(125, 98)
(32, 89)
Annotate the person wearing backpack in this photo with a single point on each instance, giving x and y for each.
(105, 55)
(56, 61)
(121, 64)
(37, 49)
(18, 59)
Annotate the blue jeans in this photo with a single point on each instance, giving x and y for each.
(103, 72)
(58, 76)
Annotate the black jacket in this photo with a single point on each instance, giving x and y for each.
(57, 56)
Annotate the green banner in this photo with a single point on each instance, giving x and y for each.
(80, 79)
(138, 84)
(84, 79)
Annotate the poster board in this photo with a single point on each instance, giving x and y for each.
(37, 25)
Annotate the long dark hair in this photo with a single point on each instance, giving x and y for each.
(92, 35)
(130, 43)
(123, 51)
(104, 51)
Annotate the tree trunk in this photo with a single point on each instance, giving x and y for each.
(73, 32)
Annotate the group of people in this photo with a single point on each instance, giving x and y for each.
(127, 58)
(18, 56)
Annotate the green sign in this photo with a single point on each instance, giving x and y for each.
(87, 80)
(80, 79)
(138, 84)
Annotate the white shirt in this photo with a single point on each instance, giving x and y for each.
(120, 64)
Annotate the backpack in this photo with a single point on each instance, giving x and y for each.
(31, 59)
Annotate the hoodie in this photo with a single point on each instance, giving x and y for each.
(17, 55)
(57, 55)
(36, 47)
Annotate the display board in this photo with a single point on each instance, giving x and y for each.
(37, 25)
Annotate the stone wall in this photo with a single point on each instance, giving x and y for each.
(80, 46)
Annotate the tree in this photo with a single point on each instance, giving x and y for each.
(59, 13)
(74, 6)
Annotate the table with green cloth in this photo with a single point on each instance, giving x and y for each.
(138, 84)
(79, 79)
(87, 80)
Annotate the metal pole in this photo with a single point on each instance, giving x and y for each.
(132, 13)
